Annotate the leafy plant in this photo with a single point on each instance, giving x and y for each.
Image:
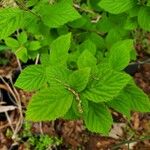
(39, 142)
(83, 54)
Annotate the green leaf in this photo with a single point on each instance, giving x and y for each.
(12, 43)
(3, 48)
(34, 45)
(131, 98)
(117, 6)
(139, 101)
(88, 45)
(72, 113)
(78, 80)
(49, 104)
(148, 3)
(86, 59)
(58, 14)
(30, 3)
(112, 37)
(144, 18)
(104, 24)
(22, 54)
(59, 50)
(121, 104)
(106, 85)
(97, 40)
(22, 38)
(78, 23)
(119, 55)
(57, 73)
(32, 78)
(45, 59)
(98, 119)
(131, 24)
(11, 20)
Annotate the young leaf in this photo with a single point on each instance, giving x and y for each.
(12, 43)
(32, 78)
(119, 55)
(58, 14)
(104, 24)
(34, 45)
(106, 86)
(97, 40)
(86, 59)
(117, 6)
(98, 119)
(49, 104)
(22, 54)
(78, 80)
(22, 38)
(144, 18)
(88, 45)
(112, 37)
(59, 50)
(57, 73)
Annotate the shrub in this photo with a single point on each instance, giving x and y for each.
(84, 48)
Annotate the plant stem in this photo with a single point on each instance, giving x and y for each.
(128, 142)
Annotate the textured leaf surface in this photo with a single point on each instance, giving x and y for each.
(49, 104)
(22, 38)
(59, 50)
(131, 99)
(12, 43)
(139, 101)
(86, 59)
(98, 119)
(144, 18)
(106, 85)
(22, 54)
(32, 78)
(117, 6)
(58, 14)
(121, 104)
(57, 73)
(78, 80)
(11, 20)
(72, 113)
(119, 55)
(89, 46)
(34, 45)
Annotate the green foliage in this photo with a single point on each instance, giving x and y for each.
(32, 78)
(98, 118)
(56, 99)
(143, 18)
(84, 49)
(106, 85)
(79, 79)
(12, 20)
(58, 14)
(117, 6)
(119, 55)
(62, 43)
(38, 142)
